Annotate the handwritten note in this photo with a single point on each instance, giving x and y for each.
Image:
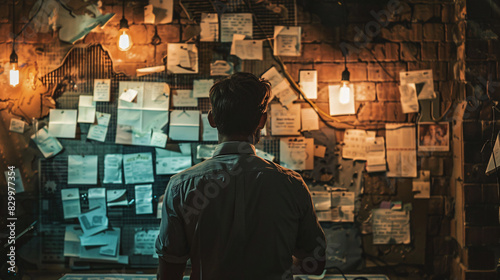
(102, 90)
(138, 168)
(113, 169)
(401, 150)
(390, 227)
(209, 26)
(71, 202)
(285, 121)
(144, 199)
(354, 144)
(201, 88)
(235, 24)
(287, 40)
(82, 169)
(99, 131)
(184, 98)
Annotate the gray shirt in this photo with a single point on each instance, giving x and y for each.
(238, 216)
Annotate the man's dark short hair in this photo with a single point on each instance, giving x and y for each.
(238, 103)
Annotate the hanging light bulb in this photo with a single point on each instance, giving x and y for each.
(124, 38)
(14, 72)
(345, 91)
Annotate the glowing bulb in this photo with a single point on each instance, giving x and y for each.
(124, 42)
(345, 94)
(14, 75)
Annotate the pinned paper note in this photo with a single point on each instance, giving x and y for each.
(422, 185)
(113, 169)
(285, 121)
(185, 125)
(182, 58)
(102, 90)
(239, 23)
(99, 131)
(201, 88)
(144, 242)
(149, 16)
(338, 106)
(248, 49)
(82, 169)
(375, 154)
(423, 81)
(354, 144)
(409, 101)
(143, 199)
(390, 227)
(16, 125)
(116, 197)
(172, 162)
(293, 153)
(287, 40)
(310, 119)
(158, 139)
(141, 138)
(309, 83)
(209, 26)
(163, 10)
(62, 123)
(93, 221)
(209, 133)
(319, 151)
(401, 150)
(280, 86)
(71, 202)
(97, 198)
(129, 95)
(494, 161)
(138, 168)
(48, 145)
(184, 98)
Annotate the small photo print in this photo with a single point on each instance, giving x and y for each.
(433, 137)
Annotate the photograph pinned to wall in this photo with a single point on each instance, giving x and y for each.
(423, 80)
(433, 137)
(237, 23)
(182, 58)
(102, 90)
(287, 40)
(209, 26)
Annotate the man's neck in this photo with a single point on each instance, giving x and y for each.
(240, 138)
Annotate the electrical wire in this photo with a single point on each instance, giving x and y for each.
(326, 118)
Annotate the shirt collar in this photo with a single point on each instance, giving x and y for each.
(234, 147)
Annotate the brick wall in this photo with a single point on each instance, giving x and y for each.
(419, 35)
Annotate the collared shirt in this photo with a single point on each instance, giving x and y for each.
(238, 216)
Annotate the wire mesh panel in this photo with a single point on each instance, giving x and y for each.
(75, 78)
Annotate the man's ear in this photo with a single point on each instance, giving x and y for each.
(263, 120)
(211, 120)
